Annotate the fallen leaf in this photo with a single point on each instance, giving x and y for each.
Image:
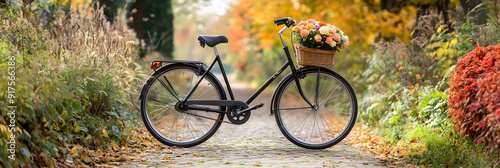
(364, 138)
(412, 92)
(197, 155)
(166, 158)
(87, 160)
(74, 150)
(105, 133)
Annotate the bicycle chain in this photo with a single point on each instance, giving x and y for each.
(206, 117)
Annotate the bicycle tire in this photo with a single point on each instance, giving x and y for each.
(157, 103)
(290, 107)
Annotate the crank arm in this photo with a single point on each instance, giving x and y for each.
(250, 108)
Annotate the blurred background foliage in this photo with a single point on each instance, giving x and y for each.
(85, 64)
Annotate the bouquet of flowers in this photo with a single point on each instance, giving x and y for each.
(316, 43)
(319, 35)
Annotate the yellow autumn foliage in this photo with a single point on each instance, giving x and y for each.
(355, 18)
(74, 4)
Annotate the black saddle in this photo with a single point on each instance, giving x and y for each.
(211, 41)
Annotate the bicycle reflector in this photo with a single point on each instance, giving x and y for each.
(155, 65)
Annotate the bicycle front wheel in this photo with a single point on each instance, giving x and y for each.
(175, 127)
(324, 125)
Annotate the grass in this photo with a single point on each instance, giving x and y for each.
(440, 147)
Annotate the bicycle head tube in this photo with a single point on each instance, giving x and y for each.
(281, 36)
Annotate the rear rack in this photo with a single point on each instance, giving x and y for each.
(157, 63)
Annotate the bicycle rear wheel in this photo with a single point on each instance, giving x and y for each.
(327, 124)
(173, 127)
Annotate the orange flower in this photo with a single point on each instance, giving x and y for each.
(310, 26)
(302, 23)
(329, 40)
(346, 43)
(310, 21)
(336, 37)
(304, 33)
(317, 38)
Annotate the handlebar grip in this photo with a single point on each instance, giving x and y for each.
(282, 20)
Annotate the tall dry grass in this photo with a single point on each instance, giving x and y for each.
(79, 40)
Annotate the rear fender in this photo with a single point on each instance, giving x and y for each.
(158, 71)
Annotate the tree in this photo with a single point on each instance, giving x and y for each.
(153, 22)
(252, 30)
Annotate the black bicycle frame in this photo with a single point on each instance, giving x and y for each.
(217, 59)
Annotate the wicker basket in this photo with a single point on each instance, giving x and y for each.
(314, 57)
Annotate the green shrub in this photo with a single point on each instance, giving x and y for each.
(76, 83)
(433, 109)
(408, 92)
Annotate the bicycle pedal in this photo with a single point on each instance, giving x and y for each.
(250, 108)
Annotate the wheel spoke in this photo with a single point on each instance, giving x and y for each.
(311, 128)
(180, 128)
(297, 108)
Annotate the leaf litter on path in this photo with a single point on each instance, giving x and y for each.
(391, 154)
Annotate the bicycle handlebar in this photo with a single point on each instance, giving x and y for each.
(286, 20)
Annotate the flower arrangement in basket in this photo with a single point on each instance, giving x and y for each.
(316, 43)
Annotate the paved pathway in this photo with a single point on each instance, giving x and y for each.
(258, 142)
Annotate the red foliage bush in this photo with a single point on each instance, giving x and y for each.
(474, 96)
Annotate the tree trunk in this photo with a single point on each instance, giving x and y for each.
(139, 7)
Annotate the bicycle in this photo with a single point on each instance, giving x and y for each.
(183, 103)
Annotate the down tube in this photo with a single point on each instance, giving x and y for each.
(268, 82)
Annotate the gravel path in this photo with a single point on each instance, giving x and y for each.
(258, 142)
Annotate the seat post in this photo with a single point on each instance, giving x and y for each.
(216, 53)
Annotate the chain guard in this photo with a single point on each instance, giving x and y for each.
(236, 118)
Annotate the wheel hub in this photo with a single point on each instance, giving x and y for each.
(315, 107)
(181, 107)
